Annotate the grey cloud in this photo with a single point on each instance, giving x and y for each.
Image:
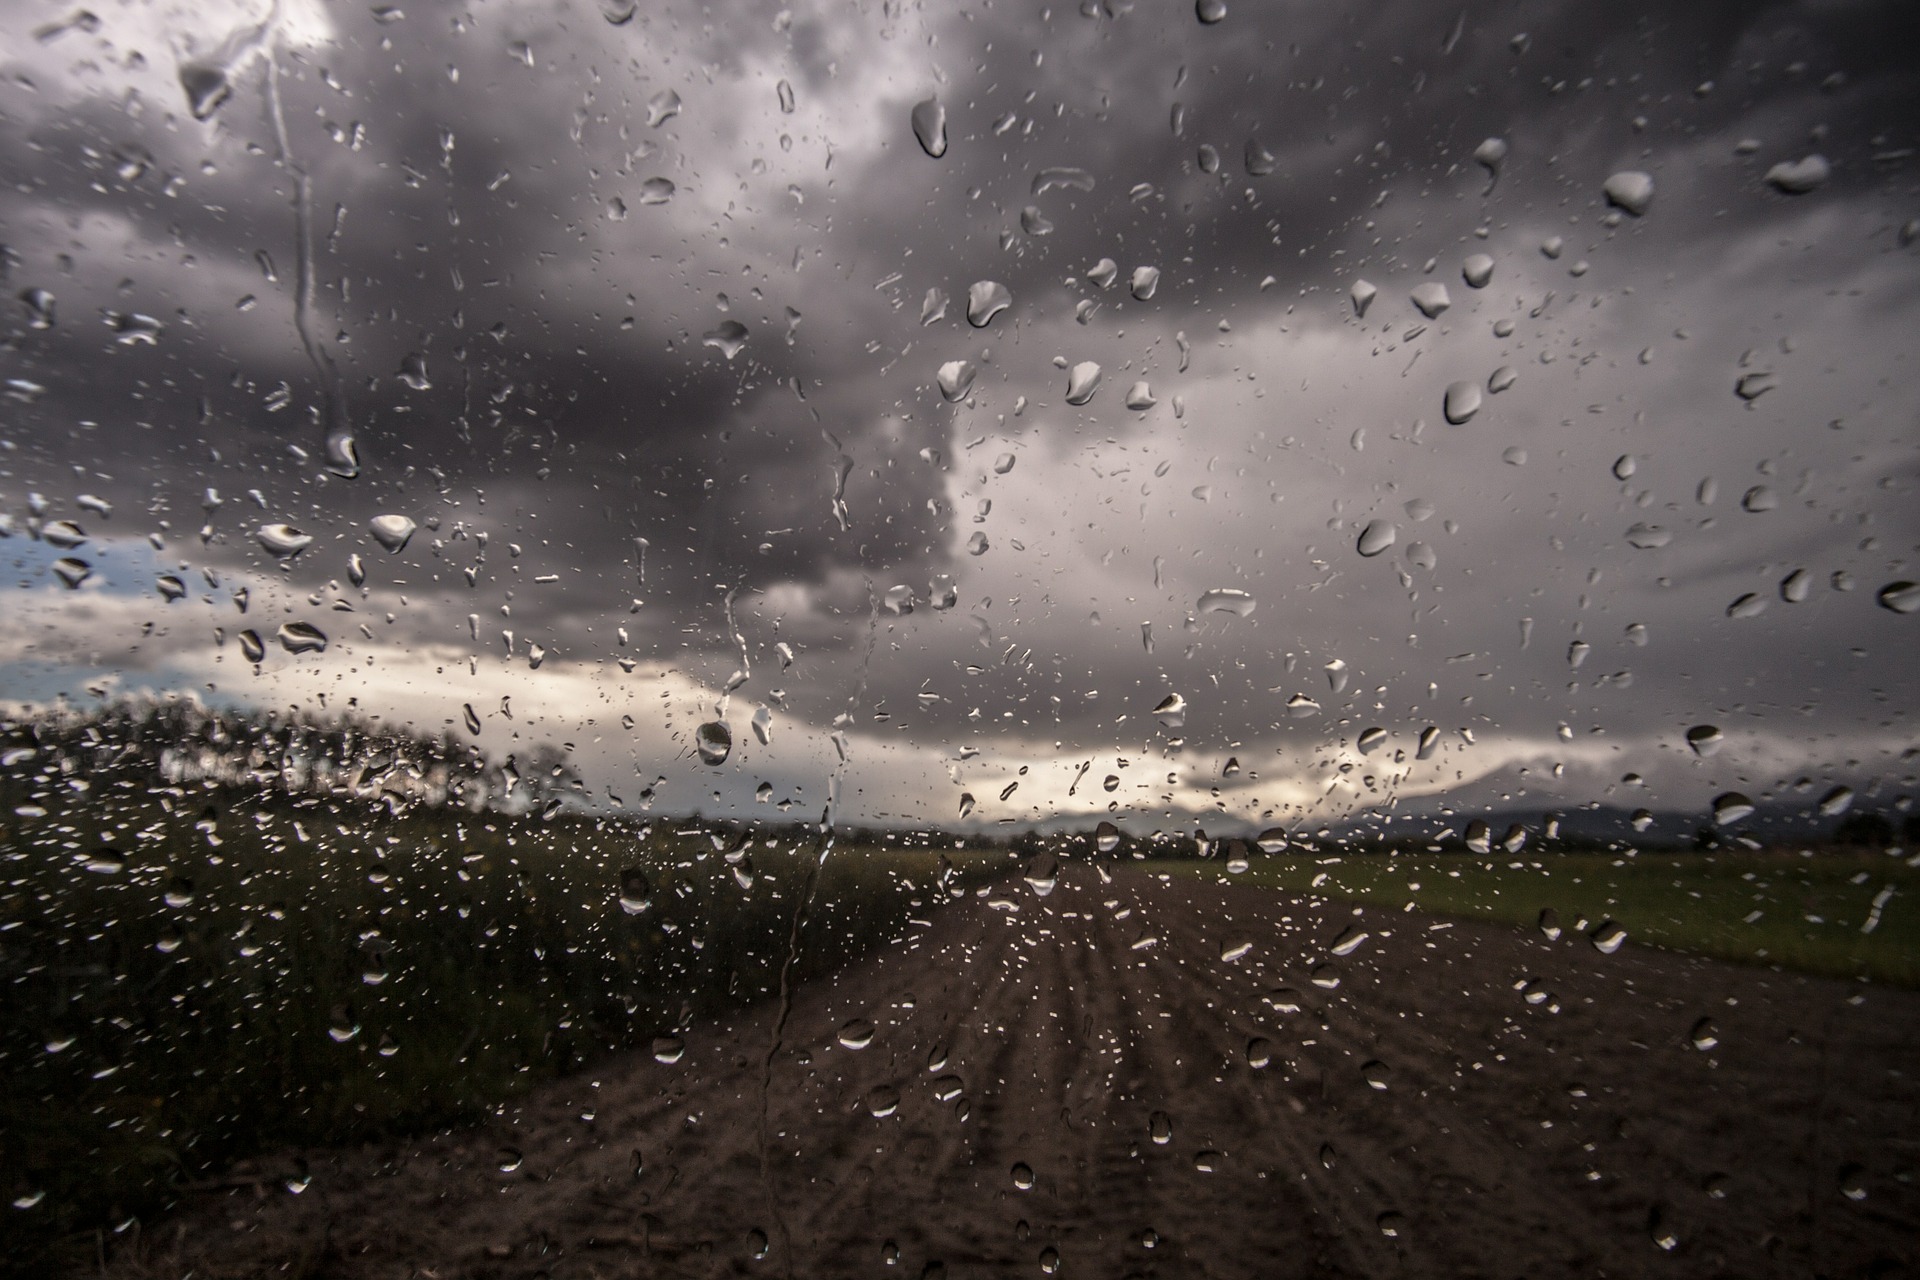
(611, 432)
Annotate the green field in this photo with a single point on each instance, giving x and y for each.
(1805, 912)
(191, 975)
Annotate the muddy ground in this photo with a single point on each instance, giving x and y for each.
(1066, 1082)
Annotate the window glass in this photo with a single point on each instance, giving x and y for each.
(1120, 637)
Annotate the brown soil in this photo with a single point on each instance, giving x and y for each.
(1583, 1135)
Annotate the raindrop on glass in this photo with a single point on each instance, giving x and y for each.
(1798, 177)
(985, 300)
(1431, 298)
(1376, 537)
(301, 637)
(1082, 381)
(391, 532)
(1629, 190)
(930, 127)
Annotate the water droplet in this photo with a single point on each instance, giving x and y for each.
(956, 378)
(714, 741)
(1371, 740)
(1431, 298)
(343, 455)
(1160, 1128)
(977, 544)
(1660, 1230)
(342, 1026)
(1068, 179)
(1259, 1053)
(727, 337)
(1836, 802)
(784, 92)
(391, 532)
(301, 637)
(1376, 537)
(1758, 499)
(63, 534)
(930, 127)
(1901, 597)
(413, 371)
(1325, 976)
(662, 107)
(1629, 190)
(1705, 739)
(1490, 153)
(40, 308)
(252, 647)
(1477, 270)
(1145, 281)
(1035, 223)
(1797, 177)
(856, 1034)
(1648, 537)
(933, 308)
(282, 540)
(1462, 402)
(1607, 937)
(1082, 381)
(668, 1050)
(966, 803)
(618, 12)
(1227, 600)
(1501, 379)
(1351, 939)
(1392, 1225)
(1704, 1035)
(1750, 605)
(206, 85)
(1363, 295)
(1171, 711)
(1795, 587)
(1042, 871)
(1751, 386)
(1730, 807)
(656, 191)
(636, 891)
(1377, 1075)
(1022, 1176)
(1258, 161)
(1210, 11)
(1549, 924)
(985, 300)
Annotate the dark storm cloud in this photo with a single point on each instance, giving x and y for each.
(562, 336)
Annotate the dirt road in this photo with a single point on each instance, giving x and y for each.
(1066, 1082)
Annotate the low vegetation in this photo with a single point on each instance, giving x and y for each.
(1836, 911)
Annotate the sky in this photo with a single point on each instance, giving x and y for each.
(642, 316)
